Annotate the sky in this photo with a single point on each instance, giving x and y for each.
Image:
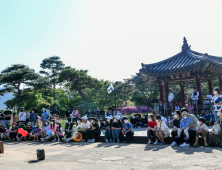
(109, 38)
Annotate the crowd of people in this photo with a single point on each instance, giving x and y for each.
(186, 127)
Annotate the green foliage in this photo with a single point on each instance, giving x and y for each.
(20, 80)
(51, 68)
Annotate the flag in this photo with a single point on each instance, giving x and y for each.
(110, 88)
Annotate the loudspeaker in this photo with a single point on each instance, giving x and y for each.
(40, 154)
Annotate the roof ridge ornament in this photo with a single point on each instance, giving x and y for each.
(185, 45)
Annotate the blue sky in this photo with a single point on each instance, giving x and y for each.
(110, 38)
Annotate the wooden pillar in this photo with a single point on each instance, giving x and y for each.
(161, 92)
(210, 87)
(220, 84)
(182, 94)
(166, 90)
(199, 88)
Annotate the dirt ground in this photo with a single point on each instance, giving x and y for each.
(107, 156)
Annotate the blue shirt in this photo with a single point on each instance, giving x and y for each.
(184, 122)
(108, 114)
(119, 114)
(44, 115)
(208, 117)
(127, 126)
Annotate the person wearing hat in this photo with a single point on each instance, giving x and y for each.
(116, 128)
(44, 116)
(84, 129)
(108, 129)
(29, 130)
(208, 118)
(7, 116)
(22, 115)
(127, 130)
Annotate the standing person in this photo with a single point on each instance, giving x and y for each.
(56, 111)
(216, 102)
(7, 116)
(75, 114)
(161, 108)
(151, 130)
(33, 117)
(127, 130)
(176, 126)
(48, 112)
(195, 97)
(170, 98)
(68, 115)
(110, 112)
(190, 107)
(27, 115)
(98, 113)
(108, 131)
(162, 130)
(22, 115)
(44, 116)
(84, 129)
(116, 129)
(202, 130)
(95, 131)
(118, 113)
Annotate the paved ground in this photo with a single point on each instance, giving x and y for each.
(103, 156)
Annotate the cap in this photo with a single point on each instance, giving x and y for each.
(84, 118)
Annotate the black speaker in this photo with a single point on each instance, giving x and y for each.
(40, 154)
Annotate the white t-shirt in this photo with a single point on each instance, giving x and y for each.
(22, 116)
(203, 127)
(85, 125)
(162, 126)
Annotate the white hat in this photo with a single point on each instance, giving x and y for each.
(84, 118)
(109, 117)
(118, 117)
(43, 108)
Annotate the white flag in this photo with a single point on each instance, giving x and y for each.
(110, 88)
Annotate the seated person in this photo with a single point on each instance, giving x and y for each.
(102, 125)
(29, 130)
(21, 125)
(68, 128)
(37, 133)
(45, 128)
(73, 130)
(127, 130)
(215, 137)
(184, 125)
(208, 118)
(95, 131)
(6, 134)
(151, 130)
(58, 133)
(134, 121)
(13, 133)
(52, 128)
(2, 131)
(84, 129)
(176, 126)
(162, 130)
(202, 130)
(116, 128)
(144, 121)
(108, 129)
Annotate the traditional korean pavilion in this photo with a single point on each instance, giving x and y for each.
(186, 67)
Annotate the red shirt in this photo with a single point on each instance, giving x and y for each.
(152, 124)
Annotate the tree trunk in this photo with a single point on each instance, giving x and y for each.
(83, 98)
(54, 90)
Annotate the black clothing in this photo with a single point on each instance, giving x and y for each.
(176, 123)
(117, 125)
(29, 130)
(13, 134)
(68, 127)
(7, 112)
(144, 121)
(95, 132)
(67, 113)
(102, 126)
(108, 125)
(57, 112)
(96, 126)
(161, 109)
(133, 121)
(2, 129)
(129, 136)
(192, 137)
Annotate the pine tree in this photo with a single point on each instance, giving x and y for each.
(52, 66)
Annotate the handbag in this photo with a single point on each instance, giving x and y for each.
(216, 128)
